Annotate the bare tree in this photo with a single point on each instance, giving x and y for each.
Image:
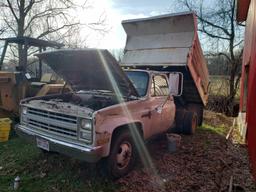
(217, 21)
(2, 30)
(48, 19)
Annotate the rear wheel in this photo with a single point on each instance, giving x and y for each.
(199, 110)
(190, 123)
(122, 155)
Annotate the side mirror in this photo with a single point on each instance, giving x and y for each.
(175, 83)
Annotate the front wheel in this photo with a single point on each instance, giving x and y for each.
(122, 155)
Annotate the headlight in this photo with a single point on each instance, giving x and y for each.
(86, 124)
(24, 110)
(86, 135)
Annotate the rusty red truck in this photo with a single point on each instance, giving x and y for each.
(111, 110)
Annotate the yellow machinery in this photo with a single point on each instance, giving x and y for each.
(22, 82)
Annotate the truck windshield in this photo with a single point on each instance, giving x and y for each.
(139, 80)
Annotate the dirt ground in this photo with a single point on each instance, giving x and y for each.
(205, 161)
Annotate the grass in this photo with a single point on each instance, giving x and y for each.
(206, 128)
(52, 172)
(221, 130)
(40, 172)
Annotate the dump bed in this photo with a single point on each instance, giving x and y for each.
(169, 43)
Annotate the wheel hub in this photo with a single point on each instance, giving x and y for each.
(124, 155)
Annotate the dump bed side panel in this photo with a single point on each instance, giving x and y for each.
(198, 69)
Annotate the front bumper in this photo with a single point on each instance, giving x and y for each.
(92, 154)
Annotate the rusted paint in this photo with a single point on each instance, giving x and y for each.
(136, 109)
(102, 138)
(242, 10)
(148, 115)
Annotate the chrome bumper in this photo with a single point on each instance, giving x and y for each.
(92, 154)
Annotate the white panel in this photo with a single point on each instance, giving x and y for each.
(171, 40)
(162, 40)
(174, 56)
(160, 25)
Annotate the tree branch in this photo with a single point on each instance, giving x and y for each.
(225, 55)
(241, 41)
(54, 30)
(29, 7)
(45, 13)
(214, 25)
(12, 10)
(10, 26)
(212, 35)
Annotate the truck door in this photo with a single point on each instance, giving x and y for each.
(161, 118)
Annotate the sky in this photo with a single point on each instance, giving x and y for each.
(116, 11)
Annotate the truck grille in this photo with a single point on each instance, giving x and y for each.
(51, 122)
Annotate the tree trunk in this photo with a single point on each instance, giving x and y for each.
(21, 23)
(232, 86)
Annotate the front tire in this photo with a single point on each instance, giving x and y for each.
(122, 155)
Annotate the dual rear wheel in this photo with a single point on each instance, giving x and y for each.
(186, 122)
(190, 123)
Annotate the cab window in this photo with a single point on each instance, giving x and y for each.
(159, 86)
(139, 80)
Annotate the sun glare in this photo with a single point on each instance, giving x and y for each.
(139, 142)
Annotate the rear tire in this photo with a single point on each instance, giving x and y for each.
(199, 110)
(122, 156)
(190, 123)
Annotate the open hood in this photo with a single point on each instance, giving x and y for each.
(89, 69)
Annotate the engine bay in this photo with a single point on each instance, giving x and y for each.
(92, 101)
(72, 101)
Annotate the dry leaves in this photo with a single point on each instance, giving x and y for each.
(205, 161)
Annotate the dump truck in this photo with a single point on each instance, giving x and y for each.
(22, 77)
(111, 111)
(170, 43)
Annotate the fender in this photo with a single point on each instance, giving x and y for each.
(107, 125)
